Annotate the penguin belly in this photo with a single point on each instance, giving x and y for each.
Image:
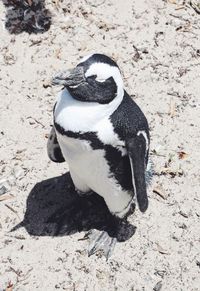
(90, 170)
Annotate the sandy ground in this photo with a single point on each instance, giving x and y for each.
(157, 46)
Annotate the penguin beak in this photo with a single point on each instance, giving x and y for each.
(71, 78)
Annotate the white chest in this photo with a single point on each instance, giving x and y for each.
(74, 150)
(82, 117)
(87, 163)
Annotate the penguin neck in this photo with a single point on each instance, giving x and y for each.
(78, 116)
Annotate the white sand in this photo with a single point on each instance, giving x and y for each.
(166, 244)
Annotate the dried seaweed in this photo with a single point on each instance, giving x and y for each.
(30, 16)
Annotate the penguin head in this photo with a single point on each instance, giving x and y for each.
(96, 78)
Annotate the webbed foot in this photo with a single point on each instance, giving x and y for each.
(105, 240)
(101, 241)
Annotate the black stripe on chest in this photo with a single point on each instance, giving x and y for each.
(89, 136)
(119, 164)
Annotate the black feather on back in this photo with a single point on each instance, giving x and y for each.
(128, 119)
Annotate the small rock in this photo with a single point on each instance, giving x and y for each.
(182, 225)
(158, 286)
(3, 189)
(198, 263)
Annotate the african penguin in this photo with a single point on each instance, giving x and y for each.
(104, 137)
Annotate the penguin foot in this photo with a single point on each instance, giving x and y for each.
(104, 241)
(100, 241)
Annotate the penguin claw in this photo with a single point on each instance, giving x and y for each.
(101, 241)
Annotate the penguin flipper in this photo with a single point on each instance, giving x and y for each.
(136, 148)
(53, 148)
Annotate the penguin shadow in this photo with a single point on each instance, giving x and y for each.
(26, 15)
(55, 209)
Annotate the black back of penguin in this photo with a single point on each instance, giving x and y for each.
(129, 119)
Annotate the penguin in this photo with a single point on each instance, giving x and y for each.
(104, 137)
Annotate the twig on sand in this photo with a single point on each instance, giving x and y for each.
(4, 197)
(195, 4)
(172, 110)
(160, 192)
(37, 121)
(12, 209)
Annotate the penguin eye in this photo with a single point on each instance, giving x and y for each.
(91, 78)
(95, 78)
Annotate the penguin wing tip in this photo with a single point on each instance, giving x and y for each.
(144, 206)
